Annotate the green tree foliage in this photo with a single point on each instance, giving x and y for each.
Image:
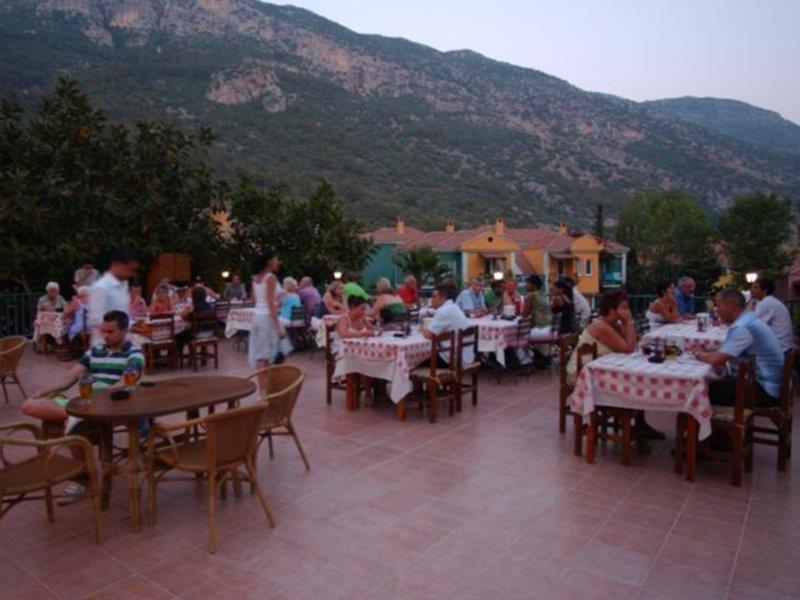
(312, 236)
(755, 233)
(669, 236)
(423, 263)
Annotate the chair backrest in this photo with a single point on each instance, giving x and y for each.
(11, 350)
(444, 343)
(330, 359)
(282, 388)
(231, 435)
(298, 316)
(585, 349)
(745, 395)
(787, 380)
(555, 323)
(566, 346)
(523, 331)
(221, 309)
(162, 327)
(466, 338)
(203, 322)
(413, 315)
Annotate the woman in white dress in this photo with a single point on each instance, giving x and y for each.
(265, 330)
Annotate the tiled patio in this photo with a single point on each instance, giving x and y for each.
(488, 504)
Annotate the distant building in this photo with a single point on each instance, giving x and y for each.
(595, 263)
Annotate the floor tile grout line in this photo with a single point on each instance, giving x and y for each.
(739, 545)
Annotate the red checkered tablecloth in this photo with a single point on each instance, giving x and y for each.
(495, 335)
(631, 381)
(158, 331)
(385, 357)
(50, 323)
(688, 336)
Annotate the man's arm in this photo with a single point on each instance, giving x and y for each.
(715, 359)
(737, 342)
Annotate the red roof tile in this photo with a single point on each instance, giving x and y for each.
(388, 235)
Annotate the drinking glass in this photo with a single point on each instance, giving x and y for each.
(85, 387)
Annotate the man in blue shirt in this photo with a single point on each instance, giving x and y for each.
(471, 300)
(747, 336)
(684, 296)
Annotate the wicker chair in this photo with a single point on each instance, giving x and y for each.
(230, 442)
(282, 384)
(736, 422)
(47, 468)
(466, 338)
(781, 416)
(11, 349)
(433, 384)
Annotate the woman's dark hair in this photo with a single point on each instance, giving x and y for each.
(565, 288)
(355, 302)
(260, 263)
(767, 285)
(661, 287)
(535, 281)
(199, 299)
(610, 300)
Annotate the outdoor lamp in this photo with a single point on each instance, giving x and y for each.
(226, 274)
(497, 275)
(337, 274)
(751, 277)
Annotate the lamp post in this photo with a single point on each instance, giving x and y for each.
(751, 277)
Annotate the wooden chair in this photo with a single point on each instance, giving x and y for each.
(298, 331)
(330, 366)
(523, 342)
(11, 350)
(735, 422)
(781, 416)
(467, 338)
(433, 384)
(203, 326)
(282, 385)
(581, 428)
(230, 442)
(161, 351)
(566, 346)
(48, 467)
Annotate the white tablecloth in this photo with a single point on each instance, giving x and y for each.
(691, 339)
(385, 357)
(318, 325)
(631, 381)
(238, 319)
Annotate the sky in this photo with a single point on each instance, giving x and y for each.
(639, 49)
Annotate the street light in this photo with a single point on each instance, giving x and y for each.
(337, 274)
(751, 277)
(497, 275)
(226, 274)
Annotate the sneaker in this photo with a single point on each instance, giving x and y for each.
(72, 493)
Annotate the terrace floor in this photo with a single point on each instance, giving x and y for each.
(488, 504)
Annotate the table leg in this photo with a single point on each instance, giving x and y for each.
(133, 468)
(106, 461)
(691, 447)
(351, 391)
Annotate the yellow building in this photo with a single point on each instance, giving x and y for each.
(595, 263)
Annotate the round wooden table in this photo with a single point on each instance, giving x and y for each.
(165, 397)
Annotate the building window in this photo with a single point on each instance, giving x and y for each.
(560, 268)
(579, 268)
(588, 269)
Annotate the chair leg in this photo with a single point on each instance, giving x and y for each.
(679, 448)
(269, 441)
(257, 489)
(432, 400)
(562, 415)
(19, 383)
(400, 410)
(292, 431)
(475, 389)
(48, 496)
(578, 442)
(212, 512)
(626, 440)
(591, 437)
(748, 449)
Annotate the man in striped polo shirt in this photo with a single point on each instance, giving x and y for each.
(106, 363)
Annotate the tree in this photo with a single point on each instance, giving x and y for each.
(599, 222)
(423, 263)
(755, 233)
(669, 236)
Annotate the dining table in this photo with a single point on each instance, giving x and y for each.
(148, 401)
(495, 335)
(688, 337)
(677, 385)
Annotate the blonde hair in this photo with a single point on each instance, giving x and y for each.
(83, 291)
(383, 286)
(290, 284)
(335, 285)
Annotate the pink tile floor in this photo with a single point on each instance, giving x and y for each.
(488, 504)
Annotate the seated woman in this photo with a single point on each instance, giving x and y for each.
(333, 300)
(161, 303)
(52, 301)
(138, 305)
(561, 304)
(663, 309)
(386, 298)
(354, 322)
(291, 300)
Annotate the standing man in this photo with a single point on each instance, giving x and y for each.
(86, 275)
(773, 312)
(309, 295)
(471, 300)
(110, 292)
(684, 296)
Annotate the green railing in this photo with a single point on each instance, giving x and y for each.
(17, 312)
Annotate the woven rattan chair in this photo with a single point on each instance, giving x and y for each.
(11, 349)
(48, 467)
(230, 443)
(282, 384)
(780, 434)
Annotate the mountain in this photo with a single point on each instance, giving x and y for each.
(735, 119)
(398, 128)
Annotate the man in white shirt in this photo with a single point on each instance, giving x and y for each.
(583, 312)
(110, 292)
(448, 317)
(773, 312)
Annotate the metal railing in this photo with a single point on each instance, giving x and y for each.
(17, 312)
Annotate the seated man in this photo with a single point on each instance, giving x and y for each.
(747, 336)
(684, 297)
(448, 317)
(773, 312)
(471, 300)
(236, 290)
(106, 363)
